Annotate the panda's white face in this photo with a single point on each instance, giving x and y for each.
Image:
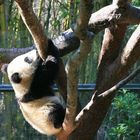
(20, 72)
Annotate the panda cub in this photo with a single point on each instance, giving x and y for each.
(32, 81)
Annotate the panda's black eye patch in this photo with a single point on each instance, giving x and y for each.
(16, 78)
(28, 60)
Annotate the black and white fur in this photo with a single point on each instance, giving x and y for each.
(32, 79)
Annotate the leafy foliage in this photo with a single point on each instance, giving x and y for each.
(136, 2)
(124, 117)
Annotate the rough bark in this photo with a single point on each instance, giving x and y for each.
(34, 26)
(111, 47)
(99, 108)
(106, 79)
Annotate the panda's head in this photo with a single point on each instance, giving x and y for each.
(20, 72)
(32, 77)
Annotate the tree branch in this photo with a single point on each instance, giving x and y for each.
(75, 61)
(93, 115)
(105, 95)
(67, 42)
(72, 66)
(120, 69)
(119, 85)
(34, 26)
(105, 17)
(110, 49)
(111, 15)
(127, 58)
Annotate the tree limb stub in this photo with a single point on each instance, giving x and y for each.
(34, 27)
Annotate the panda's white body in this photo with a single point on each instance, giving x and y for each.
(36, 113)
(32, 80)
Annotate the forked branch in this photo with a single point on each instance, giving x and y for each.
(105, 94)
(73, 64)
(72, 67)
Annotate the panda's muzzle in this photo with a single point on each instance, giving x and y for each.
(16, 78)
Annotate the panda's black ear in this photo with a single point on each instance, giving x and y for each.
(4, 68)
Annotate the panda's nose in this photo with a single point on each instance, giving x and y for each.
(16, 78)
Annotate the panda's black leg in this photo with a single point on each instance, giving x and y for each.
(57, 115)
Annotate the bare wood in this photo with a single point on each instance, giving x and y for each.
(93, 116)
(99, 20)
(127, 58)
(111, 15)
(110, 49)
(85, 11)
(111, 43)
(72, 67)
(34, 26)
(131, 52)
(74, 62)
(106, 94)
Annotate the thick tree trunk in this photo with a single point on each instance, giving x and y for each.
(93, 118)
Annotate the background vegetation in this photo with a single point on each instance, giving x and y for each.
(123, 120)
